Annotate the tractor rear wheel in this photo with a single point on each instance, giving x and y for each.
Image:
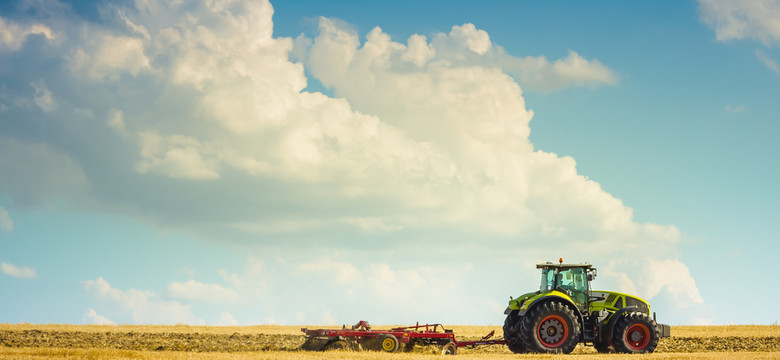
(635, 333)
(512, 333)
(551, 328)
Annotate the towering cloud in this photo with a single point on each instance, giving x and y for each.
(194, 117)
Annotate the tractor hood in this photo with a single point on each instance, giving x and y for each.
(612, 301)
(515, 303)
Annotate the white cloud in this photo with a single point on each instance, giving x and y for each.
(540, 74)
(738, 20)
(251, 281)
(424, 148)
(735, 109)
(418, 51)
(414, 140)
(176, 156)
(141, 306)
(463, 46)
(341, 272)
(13, 35)
(107, 56)
(226, 319)
(43, 97)
(769, 62)
(92, 317)
(116, 121)
(674, 277)
(195, 291)
(6, 224)
(361, 288)
(474, 39)
(22, 272)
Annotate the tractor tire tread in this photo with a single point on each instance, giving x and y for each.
(531, 322)
(514, 341)
(622, 325)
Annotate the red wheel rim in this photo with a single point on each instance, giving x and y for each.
(552, 331)
(637, 336)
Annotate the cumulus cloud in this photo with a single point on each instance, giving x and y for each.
(13, 35)
(92, 317)
(107, 56)
(176, 156)
(6, 224)
(22, 272)
(738, 20)
(226, 319)
(141, 306)
(195, 291)
(463, 46)
(213, 132)
(675, 277)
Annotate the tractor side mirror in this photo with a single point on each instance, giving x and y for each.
(592, 275)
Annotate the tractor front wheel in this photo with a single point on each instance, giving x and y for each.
(551, 328)
(635, 333)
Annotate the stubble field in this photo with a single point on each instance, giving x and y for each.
(25, 341)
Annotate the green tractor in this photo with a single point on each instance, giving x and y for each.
(565, 311)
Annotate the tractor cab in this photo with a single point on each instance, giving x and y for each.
(571, 279)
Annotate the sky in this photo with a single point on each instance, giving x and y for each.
(237, 162)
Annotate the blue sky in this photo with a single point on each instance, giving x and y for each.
(315, 162)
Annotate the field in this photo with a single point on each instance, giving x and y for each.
(25, 341)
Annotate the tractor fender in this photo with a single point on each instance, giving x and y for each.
(547, 299)
(608, 326)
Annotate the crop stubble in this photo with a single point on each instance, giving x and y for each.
(25, 341)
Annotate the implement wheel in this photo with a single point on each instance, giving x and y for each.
(339, 345)
(370, 343)
(551, 328)
(449, 349)
(388, 343)
(635, 333)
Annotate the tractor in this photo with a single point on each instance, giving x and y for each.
(565, 312)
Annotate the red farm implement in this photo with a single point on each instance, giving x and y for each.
(361, 336)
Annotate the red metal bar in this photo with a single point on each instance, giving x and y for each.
(435, 332)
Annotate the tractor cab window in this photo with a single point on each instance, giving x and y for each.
(574, 282)
(548, 280)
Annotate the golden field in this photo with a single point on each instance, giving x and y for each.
(27, 341)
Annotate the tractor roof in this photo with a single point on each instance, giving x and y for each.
(549, 265)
